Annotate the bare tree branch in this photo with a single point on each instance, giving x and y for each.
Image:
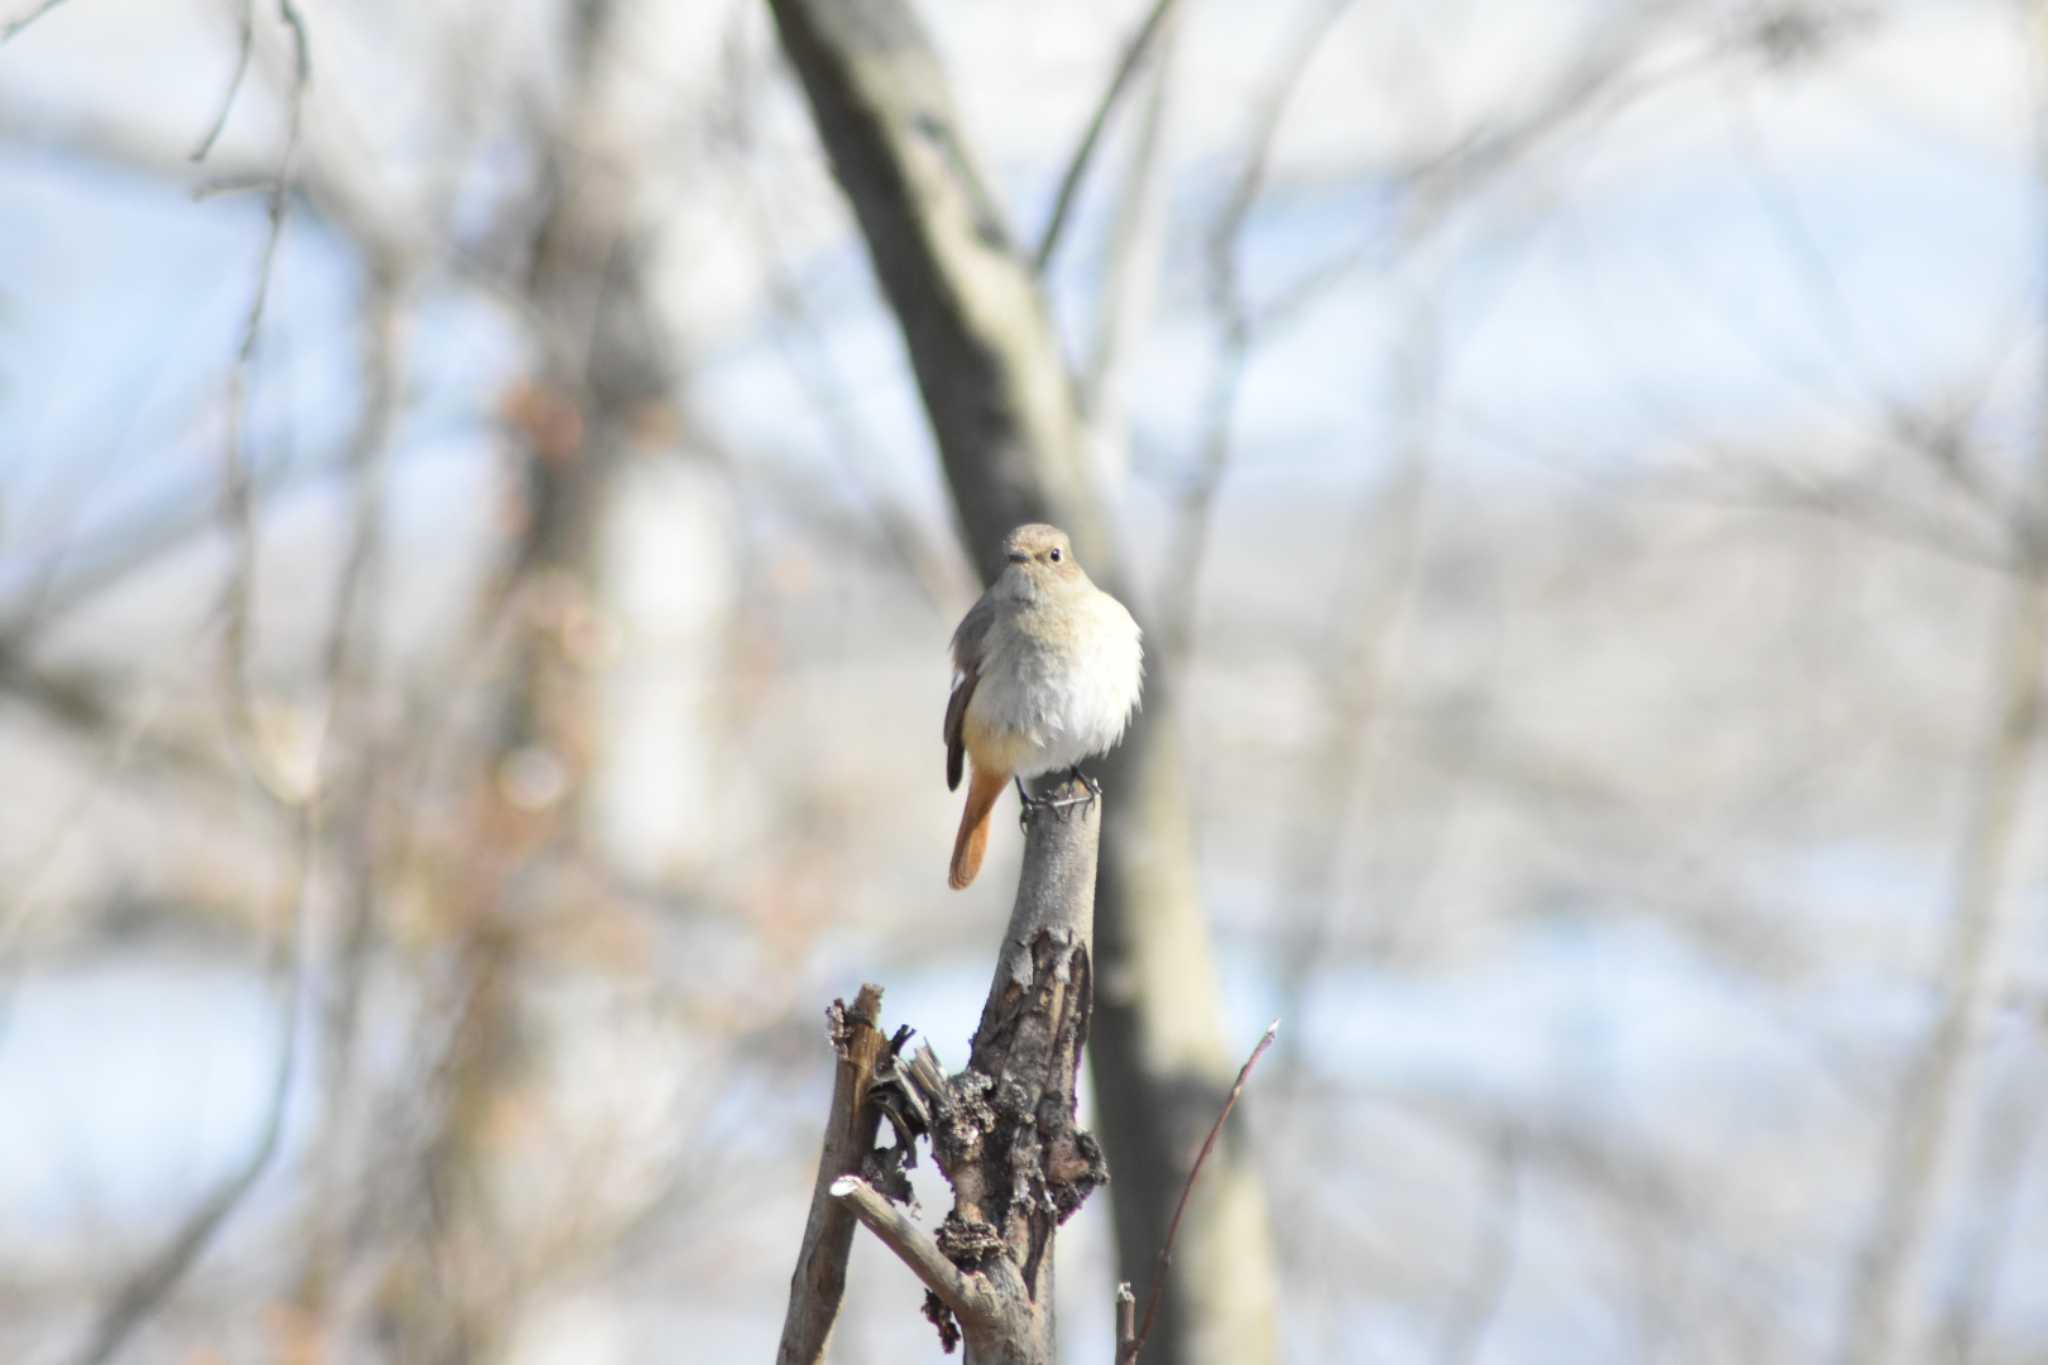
(86, 706)
(350, 663)
(147, 1288)
(1137, 1345)
(1084, 153)
(1130, 276)
(1475, 1308)
(913, 1246)
(237, 506)
(2008, 1153)
(1889, 1286)
(1892, 1281)
(807, 348)
(1224, 289)
(1006, 430)
(245, 26)
(819, 1280)
(15, 26)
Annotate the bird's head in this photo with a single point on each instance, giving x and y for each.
(1041, 555)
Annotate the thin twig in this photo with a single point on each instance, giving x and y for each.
(1077, 165)
(2008, 1152)
(246, 26)
(818, 1283)
(1224, 287)
(1893, 1279)
(1130, 274)
(1828, 304)
(1888, 1289)
(1476, 1308)
(1130, 1355)
(237, 507)
(351, 662)
(807, 350)
(15, 26)
(148, 1287)
(119, 737)
(1595, 91)
(1126, 1320)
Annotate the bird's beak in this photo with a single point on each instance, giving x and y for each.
(1019, 557)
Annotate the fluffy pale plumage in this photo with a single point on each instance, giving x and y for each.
(1047, 669)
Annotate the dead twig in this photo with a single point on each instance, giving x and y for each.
(914, 1246)
(1128, 1355)
(237, 499)
(152, 1283)
(818, 1283)
(1130, 274)
(148, 1287)
(1084, 152)
(15, 26)
(1889, 1288)
(1126, 1320)
(1236, 329)
(1479, 1303)
(245, 22)
(351, 657)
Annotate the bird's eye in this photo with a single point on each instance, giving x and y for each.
(1055, 554)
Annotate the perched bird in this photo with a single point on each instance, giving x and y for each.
(1046, 668)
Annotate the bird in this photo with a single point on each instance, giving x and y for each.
(1047, 669)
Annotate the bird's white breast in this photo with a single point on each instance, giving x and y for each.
(1061, 688)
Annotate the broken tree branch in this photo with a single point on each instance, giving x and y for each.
(819, 1281)
(1002, 1131)
(913, 1246)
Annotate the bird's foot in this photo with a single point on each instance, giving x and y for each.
(1031, 804)
(1059, 805)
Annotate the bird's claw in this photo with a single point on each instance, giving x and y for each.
(1059, 805)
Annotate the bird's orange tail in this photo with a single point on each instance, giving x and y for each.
(972, 841)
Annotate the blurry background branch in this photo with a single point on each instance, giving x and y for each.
(1135, 52)
(15, 26)
(144, 1290)
(1892, 1288)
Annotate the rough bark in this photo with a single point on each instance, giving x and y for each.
(819, 1281)
(1003, 410)
(1005, 1134)
(1002, 1131)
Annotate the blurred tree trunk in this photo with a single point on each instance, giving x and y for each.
(577, 698)
(1003, 409)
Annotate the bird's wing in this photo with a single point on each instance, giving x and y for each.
(968, 643)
